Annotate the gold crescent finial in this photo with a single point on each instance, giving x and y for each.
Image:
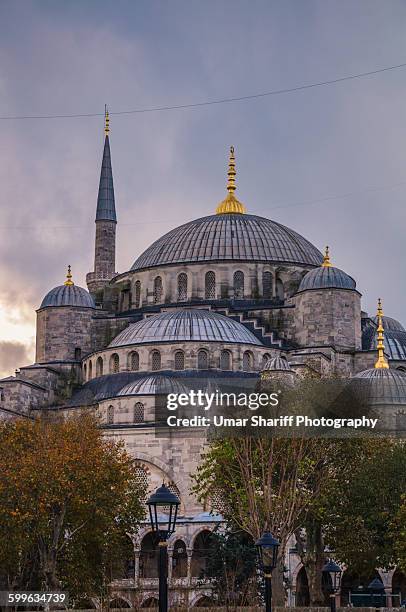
(69, 282)
(381, 362)
(230, 204)
(326, 258)
(106, 121)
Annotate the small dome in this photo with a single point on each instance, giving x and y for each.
(183, 326)
(68, 295)
(153, 385)
(278, 364)
(387, 387)
(395, 337)
(326, 278)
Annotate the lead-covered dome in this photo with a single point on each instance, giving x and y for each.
(153, 384)
(383, 386)
(230, 237)
(395, 337)
(183, 326)
(327, 278)
(68, 294)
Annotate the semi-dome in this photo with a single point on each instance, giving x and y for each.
(326, 277)
(384, 386)
(153, 384)
(230, 237)
(68, 294)
(183, 326)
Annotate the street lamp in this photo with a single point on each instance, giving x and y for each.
(333, 570)
(163, 510)
(267, 548)
(376, 586)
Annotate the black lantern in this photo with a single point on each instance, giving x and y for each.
(267, 547)
(376, 586)
(334, 571)
(163, 510)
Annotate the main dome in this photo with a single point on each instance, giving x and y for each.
(183, 326)
(230, 237)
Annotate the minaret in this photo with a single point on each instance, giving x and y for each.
(381, 362)
(230, 205)
(106, 221)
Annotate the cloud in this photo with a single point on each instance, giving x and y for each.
(13, 354)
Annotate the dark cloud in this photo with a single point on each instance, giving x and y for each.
(12, 355)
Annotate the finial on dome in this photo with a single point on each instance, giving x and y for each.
(69, 282)
(230, 204)
(381, 362)
(106, 121)
(326, 258)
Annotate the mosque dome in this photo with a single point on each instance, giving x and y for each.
(68, 294)
(184, 326)
(390, 324)
(153, 385)
(327, 277)
(278, 364)
(386, 386)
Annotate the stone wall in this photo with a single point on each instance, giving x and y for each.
(62, 332)
(105, 258)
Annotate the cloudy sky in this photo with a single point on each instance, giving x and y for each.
(329, 162)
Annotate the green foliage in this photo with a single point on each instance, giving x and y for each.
(68, 497)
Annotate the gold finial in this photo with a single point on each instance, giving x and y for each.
(326, 259)
(230, 204)
(69, 282)
(106, 121)
(381, 361)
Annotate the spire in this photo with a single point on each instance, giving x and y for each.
(326, 258)
(230, 204)
(69, 282)
(106, 208)
(381, 362)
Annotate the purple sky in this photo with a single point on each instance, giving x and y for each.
(59, 57)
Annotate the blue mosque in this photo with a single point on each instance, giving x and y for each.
(228, 297)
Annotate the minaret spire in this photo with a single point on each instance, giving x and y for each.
(381, 361)
(326, 258)
(230, 204)
(69, 282)
(106, 221)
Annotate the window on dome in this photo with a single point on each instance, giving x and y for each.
(110, 415)
(90, 370)
(179, 360)
(280, 293)
(225, 360)
(182, 287)
(99, 366)
(265, 359)
(155, 360)
(158, 290)
(114, 363)
(267, 285)
(210, 285)
(137, 294)
(133, 361)
(247, 361)
(84, 372)
(238, 283)
(139, 412)
(202, 360)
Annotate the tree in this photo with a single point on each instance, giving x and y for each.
(68, 499)
(399, 534)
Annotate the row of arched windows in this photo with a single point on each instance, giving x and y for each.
(138, 413)
(210, 287)
(203, 361)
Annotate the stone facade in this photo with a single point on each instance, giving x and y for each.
(63, 334)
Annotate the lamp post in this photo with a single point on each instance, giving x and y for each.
(376, 587)
(333, 570)
(163, 510)
(267, 548)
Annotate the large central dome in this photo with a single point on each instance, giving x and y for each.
(230, 237)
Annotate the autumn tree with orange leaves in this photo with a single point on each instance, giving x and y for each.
(68, 500)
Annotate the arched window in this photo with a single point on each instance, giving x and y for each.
(114, 363)
(247, 361)
(133, 361)
(99, 366)
(267, 285)
(78, 354)
(182, 287)
(158, 290)
(155, 360)
(139, 412)
(179, 560)
(84, 372)
(110, 415)
(280, 293)
(238, 283)
(265, 359)
(202, 360)
(90, 370)
(225, 360)
(149, 556)
(210, 285)
(137, 294)
(179, 360)
(201, 547)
